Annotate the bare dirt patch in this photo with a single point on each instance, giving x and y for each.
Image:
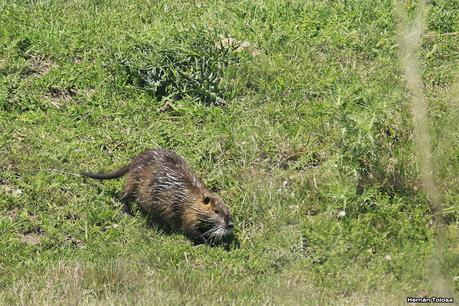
(12, 214)
(59, 96)
(238, 46)
(10, 189)
(72, 242)
(31, 238)
(39, 65)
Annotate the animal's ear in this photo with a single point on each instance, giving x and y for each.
(206, 200)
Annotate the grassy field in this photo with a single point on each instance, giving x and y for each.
(297, 112)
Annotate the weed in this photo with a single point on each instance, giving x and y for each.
(193, 66)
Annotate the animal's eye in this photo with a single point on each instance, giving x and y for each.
(206, 200)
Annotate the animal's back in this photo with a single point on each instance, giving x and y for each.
(164, 184)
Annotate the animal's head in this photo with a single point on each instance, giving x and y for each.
(214, 217)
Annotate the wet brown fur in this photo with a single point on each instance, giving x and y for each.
(166, 187)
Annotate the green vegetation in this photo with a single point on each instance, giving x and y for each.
(296, 111)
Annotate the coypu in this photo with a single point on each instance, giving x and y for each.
(166, 188)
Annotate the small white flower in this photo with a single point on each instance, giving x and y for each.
(388, 257)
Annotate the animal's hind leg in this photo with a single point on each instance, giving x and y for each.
(127, 198)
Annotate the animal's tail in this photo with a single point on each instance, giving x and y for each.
(107, 176)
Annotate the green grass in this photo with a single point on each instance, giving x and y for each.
(316, 123)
